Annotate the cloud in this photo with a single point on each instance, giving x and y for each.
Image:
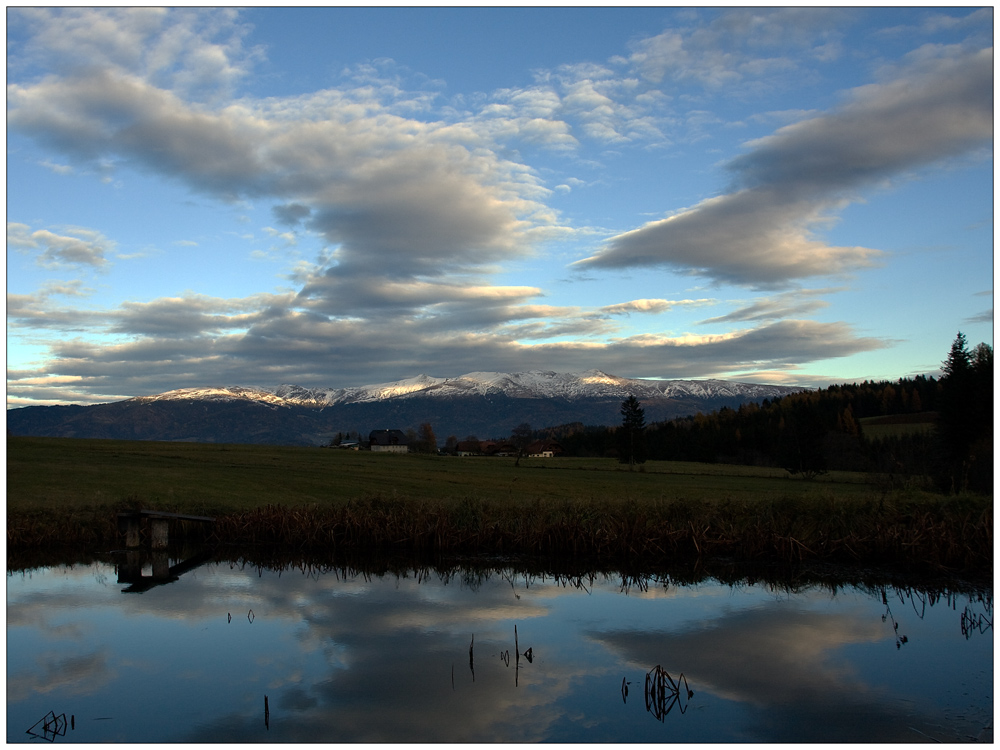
(726, 50)
(649, 306)
(192, 315)
(418, 207)
(936, 110)
(291, 213)
(391, 192)
(753, 237)
(85, 674)
(60, 169)
(762, 234)
(279, 345)
(196, 53)
(784, 305)
(777, 660)
(77, 246)
(986, 316)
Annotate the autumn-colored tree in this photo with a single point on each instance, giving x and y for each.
(520, 437)
(426, 440)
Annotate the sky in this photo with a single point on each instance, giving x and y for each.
(335, 197)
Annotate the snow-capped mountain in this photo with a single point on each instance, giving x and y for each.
(518, 385)
(485, 404)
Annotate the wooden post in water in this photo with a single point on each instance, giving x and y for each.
(130, 571)
(161, 564)
(132, 532)
(160, 528)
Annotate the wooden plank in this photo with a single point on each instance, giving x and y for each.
(164, 514)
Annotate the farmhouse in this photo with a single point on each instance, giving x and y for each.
(388, 441)
(469, 448)
(544, 449)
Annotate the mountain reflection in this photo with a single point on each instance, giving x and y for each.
(422, 655)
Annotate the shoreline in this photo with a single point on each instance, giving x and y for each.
(951, 536)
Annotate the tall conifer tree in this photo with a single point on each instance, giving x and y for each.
(631, 436)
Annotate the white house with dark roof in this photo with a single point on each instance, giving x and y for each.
(389, 441)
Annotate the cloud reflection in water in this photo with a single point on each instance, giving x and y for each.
(357, 658)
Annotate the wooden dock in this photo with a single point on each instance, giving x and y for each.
(130, 524)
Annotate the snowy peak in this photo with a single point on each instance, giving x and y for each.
(210, 393)
(535, 384)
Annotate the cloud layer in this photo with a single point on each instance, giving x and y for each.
(421, 209)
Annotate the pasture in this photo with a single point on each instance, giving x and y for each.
(319, 501)
(55, 473)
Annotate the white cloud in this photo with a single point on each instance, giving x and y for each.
(60, 169)
(76, 246)
(650, 305)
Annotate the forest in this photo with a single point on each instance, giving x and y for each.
(937, 432)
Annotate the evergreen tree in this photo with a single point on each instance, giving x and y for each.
(631, 436)
(965, 416)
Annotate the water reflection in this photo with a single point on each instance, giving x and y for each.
(132, 563)
(340, 654)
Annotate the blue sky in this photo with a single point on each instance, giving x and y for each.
(335, 197)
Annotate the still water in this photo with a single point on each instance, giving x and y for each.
(460, 656)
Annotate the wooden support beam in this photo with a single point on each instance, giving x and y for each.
(132, 532)
(160, 528)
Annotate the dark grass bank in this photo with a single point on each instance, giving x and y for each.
(953, 535)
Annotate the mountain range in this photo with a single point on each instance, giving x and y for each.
(485, 404)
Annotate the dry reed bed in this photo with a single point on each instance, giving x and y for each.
(952, 534)
(947, 534)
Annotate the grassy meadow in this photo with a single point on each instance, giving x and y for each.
(896, 425)
(66, 491)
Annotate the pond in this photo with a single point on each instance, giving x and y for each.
(229, 652)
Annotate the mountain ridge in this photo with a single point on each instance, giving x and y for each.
(487, 404)
(528, 384)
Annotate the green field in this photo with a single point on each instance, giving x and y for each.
(316, 501)
(53, 473)
(896, 425)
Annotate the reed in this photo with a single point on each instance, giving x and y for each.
(947, 534)
(944, 536)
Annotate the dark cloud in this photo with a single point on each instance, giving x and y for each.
(291, 213)
(192, 315)
(939, 109)
(313, 350)
(986, 316)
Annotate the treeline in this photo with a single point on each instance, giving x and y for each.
(815, 431)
